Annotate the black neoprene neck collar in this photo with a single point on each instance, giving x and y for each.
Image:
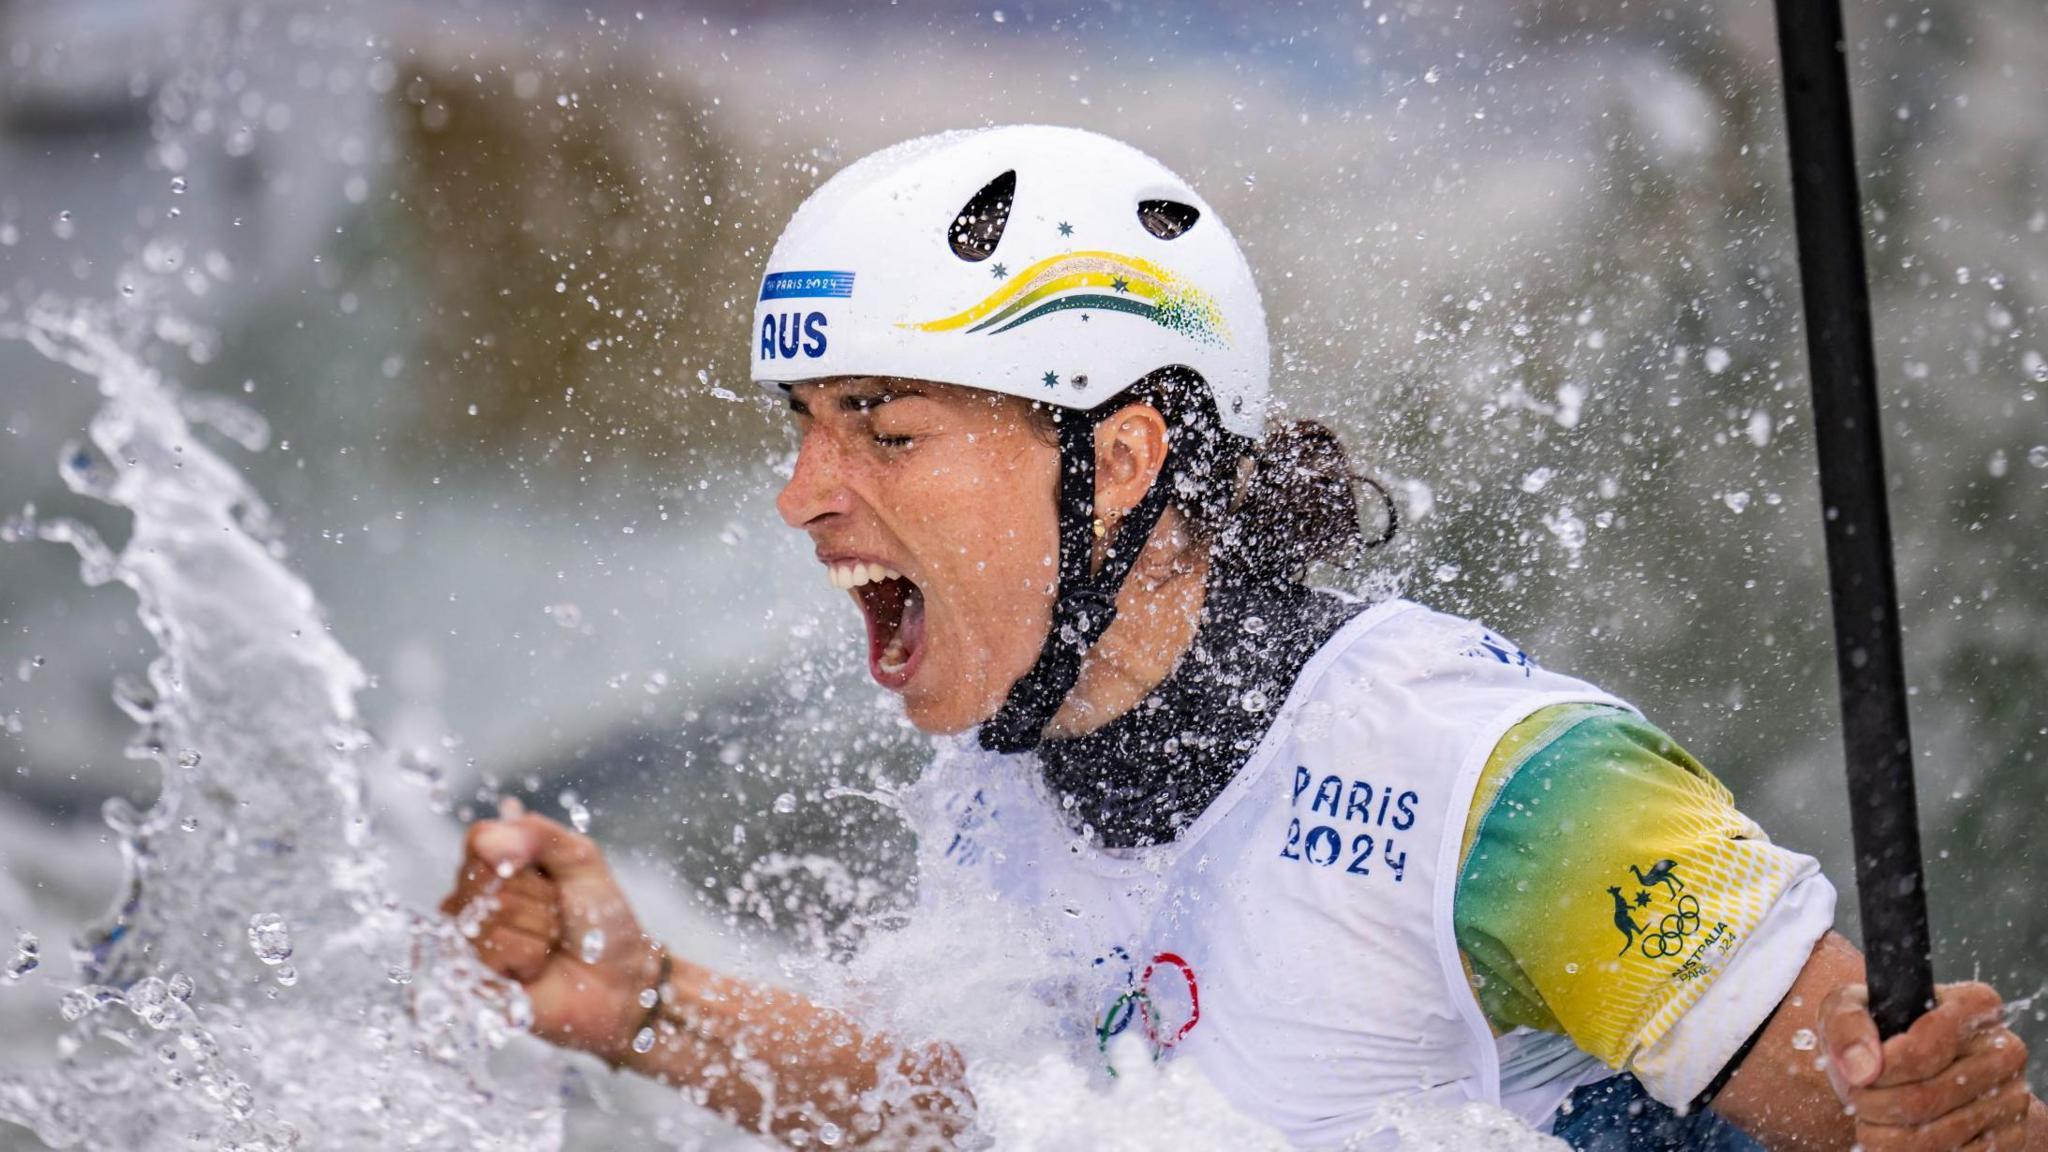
(1146, 775)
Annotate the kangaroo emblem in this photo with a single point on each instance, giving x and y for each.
(1660, 873)
(1624, 921)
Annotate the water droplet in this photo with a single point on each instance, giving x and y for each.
(151, 1001)
(592, 946)
(1804, 1040)
(1254, 701)
(180, 986)
(1433, 75)
(830, 1134)
(1256, 625)
(1717, 360)
(75, 1004)
(1736, 501)
(579, 816)
(1569, 530)
(269, 938)
(1445, 573)
(519, 1012)
(398, 974)
(1998, 464)
(785, 804)
(2038, 456)
(1537, 480)
(649, 997)
(643, 1040)
(1760, 428)
(28, 954)
(177, 185)
(241, 1102)
(287, 975)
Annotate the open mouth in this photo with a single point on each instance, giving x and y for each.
(894, 608)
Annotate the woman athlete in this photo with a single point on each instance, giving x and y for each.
(1335, 854)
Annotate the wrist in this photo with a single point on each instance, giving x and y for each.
(641, 997)
(675, 1018)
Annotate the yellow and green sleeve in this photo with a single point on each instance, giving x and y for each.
(1608, 880)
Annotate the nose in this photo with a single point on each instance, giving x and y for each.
(817, 488)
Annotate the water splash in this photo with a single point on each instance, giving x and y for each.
(990, 978)
(260, 833)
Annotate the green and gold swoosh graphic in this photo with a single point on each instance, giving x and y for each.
(1078, 280)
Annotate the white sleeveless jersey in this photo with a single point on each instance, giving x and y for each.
(1296, 941)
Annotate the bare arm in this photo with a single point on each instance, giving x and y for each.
(530, 893)
(777, 1063)
(1818, 1079)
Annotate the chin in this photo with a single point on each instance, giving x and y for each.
(943, 717)
(937, 712)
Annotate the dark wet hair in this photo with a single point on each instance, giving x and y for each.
(1271, 508)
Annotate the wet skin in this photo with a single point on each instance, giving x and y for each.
(955, 488)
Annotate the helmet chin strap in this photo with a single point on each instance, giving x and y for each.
(1085, 605)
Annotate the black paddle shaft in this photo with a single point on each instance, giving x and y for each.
(1884, 820)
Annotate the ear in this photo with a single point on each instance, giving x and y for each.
(1130, 449)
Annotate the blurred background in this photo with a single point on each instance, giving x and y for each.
(487, 270)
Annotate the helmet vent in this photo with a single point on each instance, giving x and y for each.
(1167, 219)
(979, 226)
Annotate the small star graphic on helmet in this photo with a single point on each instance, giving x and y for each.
(1120, 284)
(1066, 229)
(999, 271)
(1051, 379)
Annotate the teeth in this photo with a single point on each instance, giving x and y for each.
(893, 657)
(853, 574)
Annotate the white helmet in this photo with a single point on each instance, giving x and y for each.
(1049, 263)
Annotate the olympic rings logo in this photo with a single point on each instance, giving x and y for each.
(1668, 938)
(1164, 1024)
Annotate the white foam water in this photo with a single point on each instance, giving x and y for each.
(241, 994)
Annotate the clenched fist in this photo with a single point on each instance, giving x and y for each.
(542, 909)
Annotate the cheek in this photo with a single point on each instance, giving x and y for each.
(988, 529)
(1009, 530)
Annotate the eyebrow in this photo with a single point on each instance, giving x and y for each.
(862, 402)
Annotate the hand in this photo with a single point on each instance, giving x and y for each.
(529, 894)
(1955, 1080)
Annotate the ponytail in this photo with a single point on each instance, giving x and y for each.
(1298, 506)
(1270, 508)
